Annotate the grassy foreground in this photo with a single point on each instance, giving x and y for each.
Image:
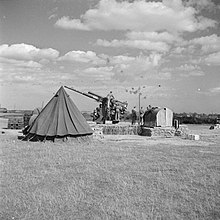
(109, 180)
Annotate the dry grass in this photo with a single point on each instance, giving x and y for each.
(135, 179)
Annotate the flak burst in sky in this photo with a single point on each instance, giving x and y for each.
(168, 50)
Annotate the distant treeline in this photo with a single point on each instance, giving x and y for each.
(184, 118)
(194, 118)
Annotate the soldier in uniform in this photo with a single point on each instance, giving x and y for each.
(141, 116)
(133, 115)
(117, 113)
(110, 98)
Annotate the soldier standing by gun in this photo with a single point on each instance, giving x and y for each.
(110, 98)
(117, 113)
(133, 115)
(141, 115)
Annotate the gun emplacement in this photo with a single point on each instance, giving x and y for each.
(110, 107)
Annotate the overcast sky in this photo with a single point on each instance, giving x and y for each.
(170, 49)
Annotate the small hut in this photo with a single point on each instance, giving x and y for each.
(158, 117)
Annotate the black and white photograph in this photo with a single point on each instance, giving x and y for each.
(109, 109)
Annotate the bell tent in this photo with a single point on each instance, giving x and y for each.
(58, 119)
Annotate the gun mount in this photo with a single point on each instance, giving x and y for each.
(109, 108)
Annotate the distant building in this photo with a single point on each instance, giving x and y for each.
(16, 119)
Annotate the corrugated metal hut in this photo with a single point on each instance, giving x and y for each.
(158, 117)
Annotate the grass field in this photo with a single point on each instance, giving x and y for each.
(113, 178)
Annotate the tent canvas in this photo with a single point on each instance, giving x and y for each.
(59, 118)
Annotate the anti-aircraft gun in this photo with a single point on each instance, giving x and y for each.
(109, 108)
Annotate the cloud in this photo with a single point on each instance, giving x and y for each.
(170, 15)
(183, 68)
(196, 73)
(132, 68)
(153, 36)
(52, 13)
(178, 50)
(188, 67)
(83, 57)
(164, 75)
(19, 71)
(27, 52)
(139, 44)
(120, 68)
(213, 59)
(23, 63)
(20, 63)
(115, 60)
(143, 61)
(210, 59)
(30, 63)
(98, 69)
(100, 73)
(151, 41)
(200, 50)
(52, 16)
(215, 90)
(208, 44)
(202, 4)
(67, 23)
(186, 70)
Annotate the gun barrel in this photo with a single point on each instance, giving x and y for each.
(82, 93)
(100, 97)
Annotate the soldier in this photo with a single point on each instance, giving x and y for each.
(141, 116)
(133, 116)
(149, 107)
(94, 115)
(110, 98)
(98, 110)
(117, 113)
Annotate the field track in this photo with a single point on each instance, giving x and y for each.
(117, 177)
